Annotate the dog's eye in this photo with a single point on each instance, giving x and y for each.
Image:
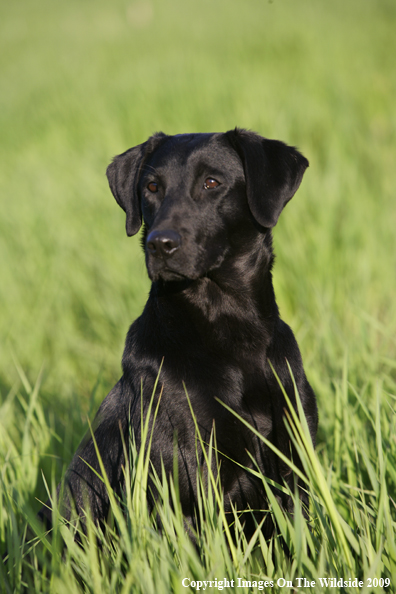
(210, 183)
(153, 187)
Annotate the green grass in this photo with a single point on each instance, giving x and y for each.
(83, 81)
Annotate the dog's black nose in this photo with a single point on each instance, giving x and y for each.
(163, 243)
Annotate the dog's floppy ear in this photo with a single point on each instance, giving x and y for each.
(273, 173)
(123, 175)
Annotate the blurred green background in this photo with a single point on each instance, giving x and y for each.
(84, 80)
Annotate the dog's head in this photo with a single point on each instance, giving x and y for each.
(201, 196)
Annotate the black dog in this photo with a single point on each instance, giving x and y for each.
(208, 203)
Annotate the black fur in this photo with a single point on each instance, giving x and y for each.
(211, 317)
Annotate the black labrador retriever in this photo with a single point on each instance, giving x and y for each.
(208, 203)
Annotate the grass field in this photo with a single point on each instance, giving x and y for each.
(83, 81)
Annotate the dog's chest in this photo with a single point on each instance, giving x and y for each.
(215, 393)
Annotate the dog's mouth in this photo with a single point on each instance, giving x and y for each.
(166, 274)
